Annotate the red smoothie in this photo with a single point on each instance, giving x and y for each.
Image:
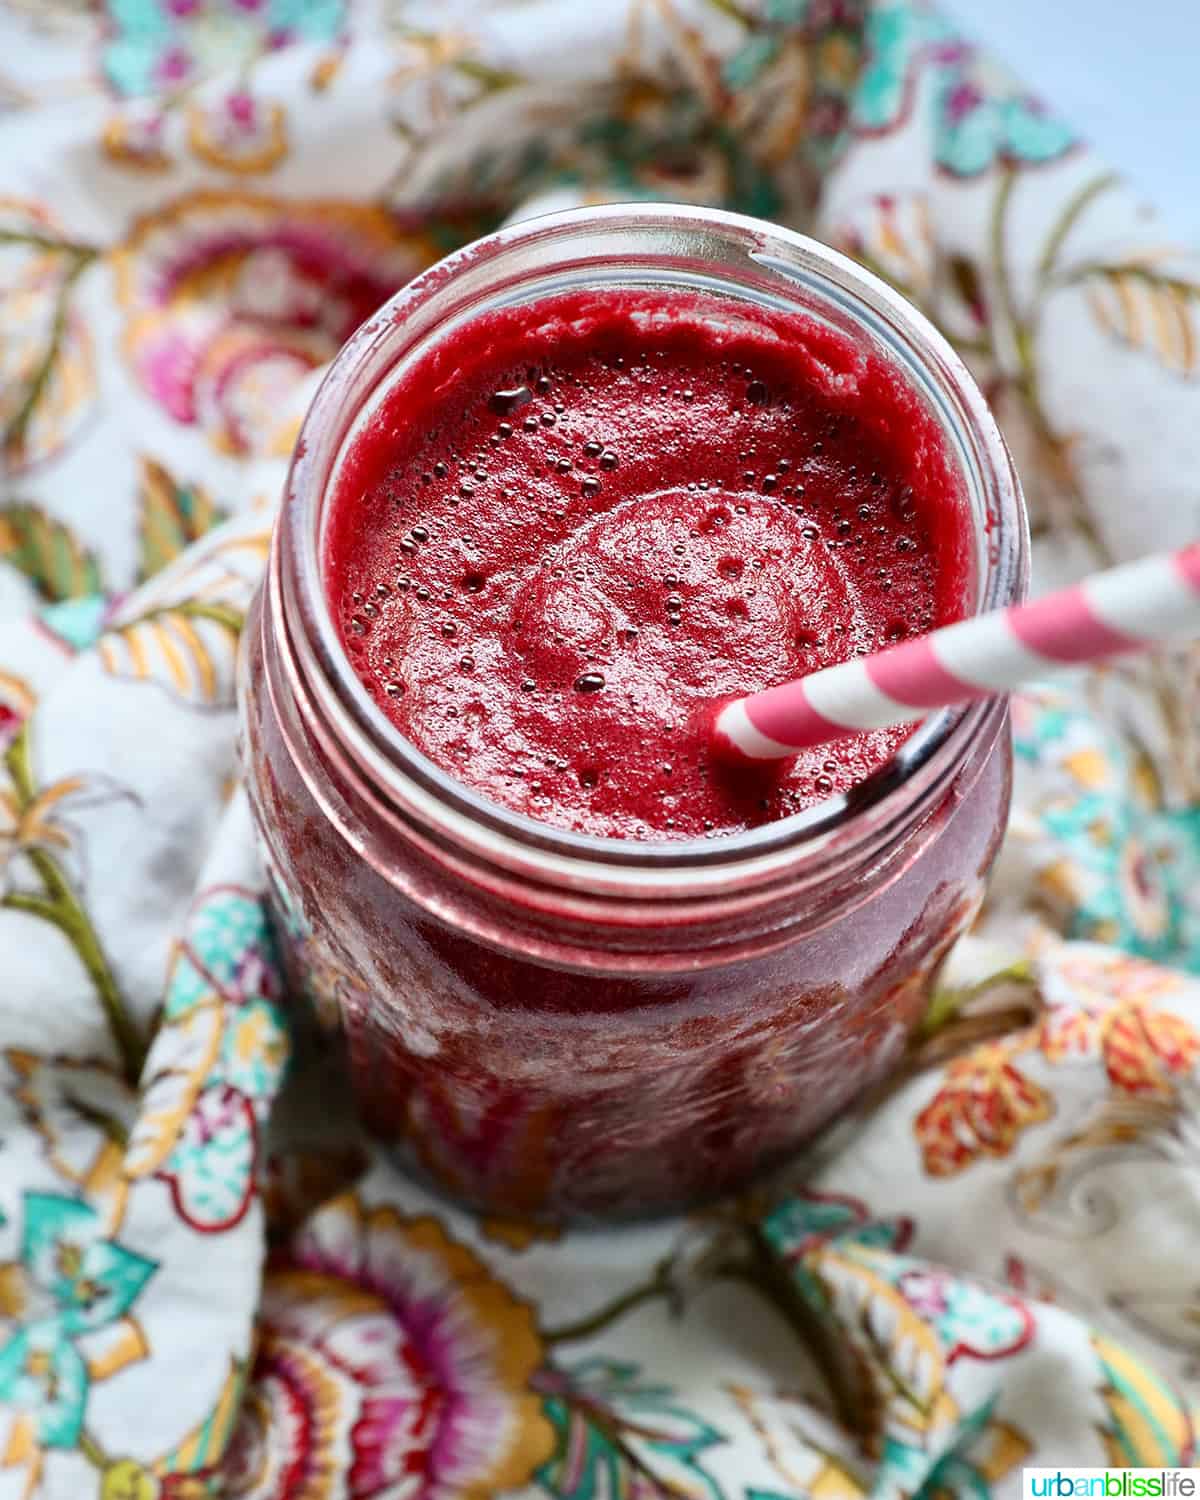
(556, 522)
(574, 527)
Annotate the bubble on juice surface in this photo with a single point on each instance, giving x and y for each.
(509, 400)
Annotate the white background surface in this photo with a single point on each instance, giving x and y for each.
(1126, 73)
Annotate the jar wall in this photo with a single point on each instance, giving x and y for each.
(575, 1033)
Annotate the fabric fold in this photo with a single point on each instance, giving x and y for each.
(210, 1283)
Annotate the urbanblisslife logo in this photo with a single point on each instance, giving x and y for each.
(1110, 1484)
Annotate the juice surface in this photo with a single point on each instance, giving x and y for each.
(575, 526)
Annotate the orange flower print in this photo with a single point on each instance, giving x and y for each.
(391, 1357)
(1145, 1048)
(1105, 1005)
(984, 1103)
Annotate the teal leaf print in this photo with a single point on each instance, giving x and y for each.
(92, 1280)
(748, 61)
(893, 37)
(211, 1170)
(1116, 865)
(801, 1221)
(1147, 1424)
(215, 1065)
(156, 45)
(228, 944)
(621, 1440)
(43, 1375)
(69, 1296)
(978, 113)
(173, 516)
(1133, 876)
(806, 1221)
(970, 1320)
(976, 127)
(76, 623)
(48, 553)
(985, 1452)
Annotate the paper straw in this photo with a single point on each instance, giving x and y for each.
(1124, 609)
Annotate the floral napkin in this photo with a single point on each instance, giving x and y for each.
(208, 1284)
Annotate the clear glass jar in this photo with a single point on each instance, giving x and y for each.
(546, 1023)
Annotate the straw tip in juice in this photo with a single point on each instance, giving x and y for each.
(717, 724)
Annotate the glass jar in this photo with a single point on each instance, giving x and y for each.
(552, 1024)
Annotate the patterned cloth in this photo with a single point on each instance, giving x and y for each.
(206, 1283)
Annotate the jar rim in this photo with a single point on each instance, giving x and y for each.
(466, 819)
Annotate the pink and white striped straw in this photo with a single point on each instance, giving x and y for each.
(1124, 609)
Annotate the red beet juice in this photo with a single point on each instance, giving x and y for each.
(579, 525)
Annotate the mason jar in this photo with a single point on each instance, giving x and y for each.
(550, 1024)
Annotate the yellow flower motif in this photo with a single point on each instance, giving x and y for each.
(133, 137)
(1089, 766)
(182, 1060)
(255, 1040)
(838, 60)
(437, 75)
(27, 827)
(127, 1480)
(34, 823)
(325, 70)
(239, 135)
